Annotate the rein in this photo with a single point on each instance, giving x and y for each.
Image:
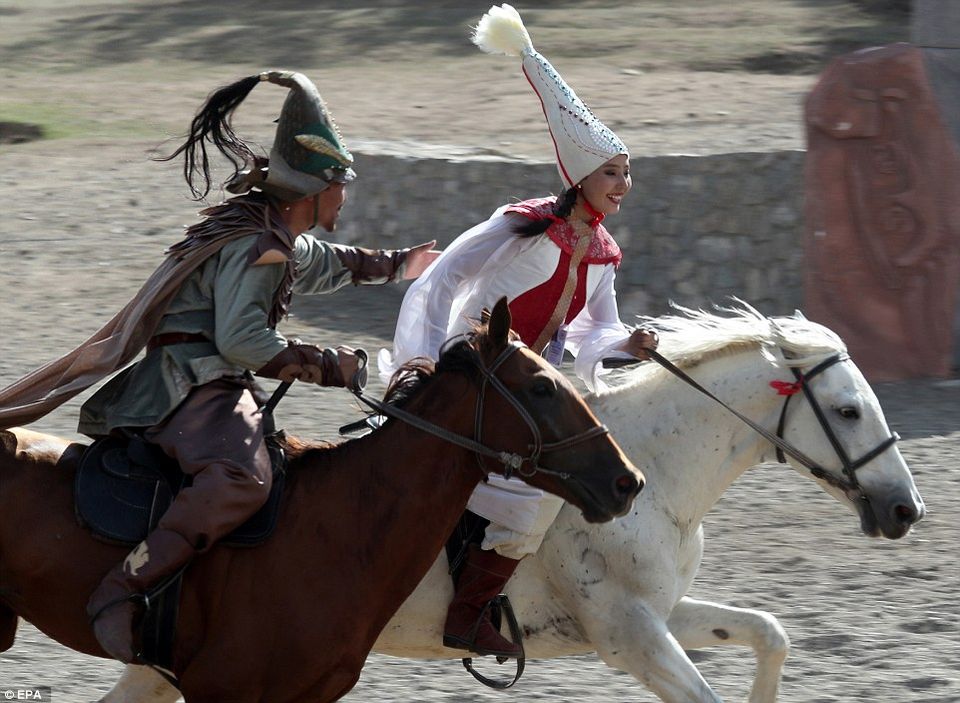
(511, 461)
(850, 484)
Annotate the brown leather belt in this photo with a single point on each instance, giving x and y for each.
(168, 338)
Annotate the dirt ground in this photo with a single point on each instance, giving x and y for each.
(86, 215)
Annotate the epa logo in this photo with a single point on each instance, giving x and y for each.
(33, 693)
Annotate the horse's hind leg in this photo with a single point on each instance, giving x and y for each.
(697, 624)
(8, 627)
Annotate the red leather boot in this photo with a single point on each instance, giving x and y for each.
(483, 578)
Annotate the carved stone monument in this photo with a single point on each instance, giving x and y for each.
(882, 230)
(935, 30)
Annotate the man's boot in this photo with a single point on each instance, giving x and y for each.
(483, 577)
(114, 604)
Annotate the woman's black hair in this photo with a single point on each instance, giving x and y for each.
(562, 209)
(212, 124)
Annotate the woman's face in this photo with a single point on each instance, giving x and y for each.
(605, 187)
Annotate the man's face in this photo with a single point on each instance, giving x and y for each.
(329, 203)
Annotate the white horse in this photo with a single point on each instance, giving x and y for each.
(619, 588)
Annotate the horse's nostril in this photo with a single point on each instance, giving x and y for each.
(905, 514)
(627, 485)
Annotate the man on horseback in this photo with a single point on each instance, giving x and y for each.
(208, 320)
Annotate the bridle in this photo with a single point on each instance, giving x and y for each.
(511, 461)
(848, 482)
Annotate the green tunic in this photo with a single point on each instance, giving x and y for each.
(228, 300)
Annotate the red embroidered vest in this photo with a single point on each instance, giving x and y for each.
(531, 310)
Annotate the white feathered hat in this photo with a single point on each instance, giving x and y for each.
(582, 142)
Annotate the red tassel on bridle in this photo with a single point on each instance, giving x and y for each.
(786, 388)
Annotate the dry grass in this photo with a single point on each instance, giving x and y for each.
(136, 68)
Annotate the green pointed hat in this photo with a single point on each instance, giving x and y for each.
(308, 151)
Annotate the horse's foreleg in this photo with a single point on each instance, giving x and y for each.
(637, 641)
(698, 624)
(141, 684)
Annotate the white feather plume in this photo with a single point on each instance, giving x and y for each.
(501, 31)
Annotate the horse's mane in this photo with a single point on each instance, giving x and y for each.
(410, 380)
(460, 354)
(294, 447)
(691, 337)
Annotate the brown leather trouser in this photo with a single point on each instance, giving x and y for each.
(216, 435)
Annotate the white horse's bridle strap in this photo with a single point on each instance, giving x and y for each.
(849, 467)
(784, 447)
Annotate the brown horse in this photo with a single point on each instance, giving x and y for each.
(361, 523)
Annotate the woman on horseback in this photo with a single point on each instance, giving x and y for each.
(556, 263)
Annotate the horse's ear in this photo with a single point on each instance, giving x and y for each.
(498, 328)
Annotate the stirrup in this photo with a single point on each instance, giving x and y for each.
(516, 636)
(470, 644)
(145, 598)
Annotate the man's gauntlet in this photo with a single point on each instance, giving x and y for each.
(304, 362)
(372, 265)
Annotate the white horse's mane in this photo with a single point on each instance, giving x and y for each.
(690, 337)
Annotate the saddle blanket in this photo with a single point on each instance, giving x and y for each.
(124, 486)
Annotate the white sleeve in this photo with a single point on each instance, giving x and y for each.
(424, 322)
(594, 332)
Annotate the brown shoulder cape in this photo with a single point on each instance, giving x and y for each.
(119, 341)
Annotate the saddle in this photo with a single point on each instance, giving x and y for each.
(124, 485)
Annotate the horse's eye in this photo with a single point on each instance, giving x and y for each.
(848, 412)
(542, 388)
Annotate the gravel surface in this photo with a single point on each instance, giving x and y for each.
(86, 217)
(869, 620)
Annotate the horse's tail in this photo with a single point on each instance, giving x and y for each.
(8, 618)
(8, 442)
(8, 627)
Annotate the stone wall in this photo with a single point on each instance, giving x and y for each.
(695, 230)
